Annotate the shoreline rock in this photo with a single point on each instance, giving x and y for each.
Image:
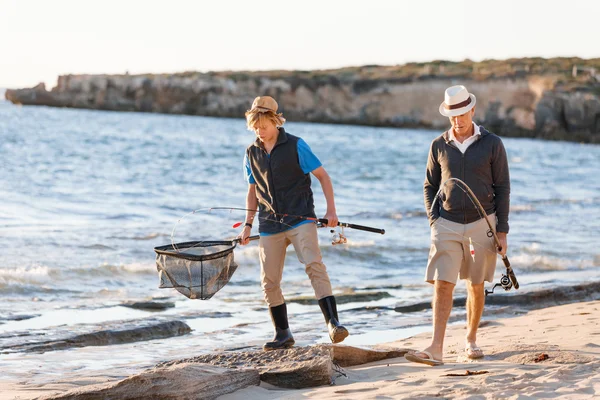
(528, 300)
(343, 298)
(212, 375)
(183, 381)
(541, 98)
(118, 333)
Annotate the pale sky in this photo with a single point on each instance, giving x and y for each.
(41, 39)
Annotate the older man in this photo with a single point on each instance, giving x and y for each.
(476, 156)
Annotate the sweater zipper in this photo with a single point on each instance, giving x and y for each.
(462, 176)
(462, 165)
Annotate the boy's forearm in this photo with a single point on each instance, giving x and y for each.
(251, 205)
(327, 187)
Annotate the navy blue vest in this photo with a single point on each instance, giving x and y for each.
(281, 185)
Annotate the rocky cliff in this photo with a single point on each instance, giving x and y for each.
(547, 98)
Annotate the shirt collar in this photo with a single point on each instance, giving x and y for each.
(476, 132)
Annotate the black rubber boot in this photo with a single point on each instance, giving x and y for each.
(337, 332)
(283, 335)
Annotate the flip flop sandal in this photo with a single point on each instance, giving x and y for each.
(474, 353)
(422, 360)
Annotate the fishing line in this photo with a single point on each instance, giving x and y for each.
(483, 246)
(207, 210)
(490, 233)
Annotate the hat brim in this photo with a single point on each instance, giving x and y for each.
(261, 110)
(458, 111)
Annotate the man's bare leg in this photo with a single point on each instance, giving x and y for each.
(475, 304)
(442, 306)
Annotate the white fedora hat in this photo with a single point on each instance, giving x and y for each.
(457, 101)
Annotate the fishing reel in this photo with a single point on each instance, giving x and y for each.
(505, 283)
(338, 237)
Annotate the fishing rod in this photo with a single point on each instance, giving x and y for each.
(508, 280)
(336, 237)
(322, 221)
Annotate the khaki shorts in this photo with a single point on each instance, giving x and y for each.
(450, 256)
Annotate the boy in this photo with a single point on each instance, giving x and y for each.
(277, 167)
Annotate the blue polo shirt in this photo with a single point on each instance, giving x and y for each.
(308, 163)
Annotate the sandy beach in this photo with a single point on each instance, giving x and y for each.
(547, 353)
(569, 335)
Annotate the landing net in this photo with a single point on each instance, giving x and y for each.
(198, 269)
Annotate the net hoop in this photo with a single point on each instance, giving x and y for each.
(178, 249)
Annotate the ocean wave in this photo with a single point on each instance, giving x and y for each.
(521, 208)
(357, 244)
(527, 206)
(31, 290)
(149, 236)
(97, 247)
(126, 269)
(29, 275)
(541, 263)
(250, 251)
(562, 201)
(29, 280)
(395, 215)
(108, 270)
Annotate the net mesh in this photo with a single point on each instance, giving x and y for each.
(197, 270)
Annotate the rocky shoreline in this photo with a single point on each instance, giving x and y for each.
(219, 373)
(542, 98)
(300, 368)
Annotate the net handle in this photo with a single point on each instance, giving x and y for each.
(251, 238)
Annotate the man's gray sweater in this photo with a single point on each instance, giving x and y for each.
(483, 167)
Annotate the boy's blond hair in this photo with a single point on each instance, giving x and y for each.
(256, 118)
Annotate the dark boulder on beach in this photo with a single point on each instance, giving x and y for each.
(526, 300)
(119, 332)
(150, 305)
(343, 298)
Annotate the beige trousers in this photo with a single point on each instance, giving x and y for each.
(272, 256)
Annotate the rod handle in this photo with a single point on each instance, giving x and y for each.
(354, 226)
(510, 272)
